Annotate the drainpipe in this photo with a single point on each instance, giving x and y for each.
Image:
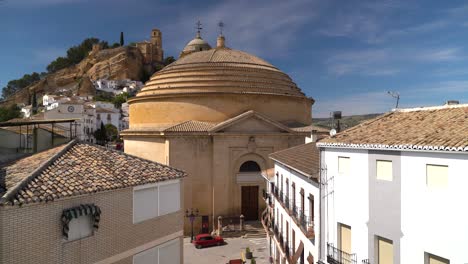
(322, 217)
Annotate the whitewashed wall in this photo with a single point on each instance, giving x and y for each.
(310, 187)
(416, 218)
(434, 221)
(345, 199)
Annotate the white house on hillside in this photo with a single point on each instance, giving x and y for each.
(294, 196)
(393, 187)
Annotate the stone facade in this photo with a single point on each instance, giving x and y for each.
(210, 112)
(152, 51)
(33, 233)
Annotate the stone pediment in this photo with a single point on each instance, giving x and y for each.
(250, 122)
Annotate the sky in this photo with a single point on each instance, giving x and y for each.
(346, 55)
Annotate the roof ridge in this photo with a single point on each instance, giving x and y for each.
(365, 123)
(12, 191)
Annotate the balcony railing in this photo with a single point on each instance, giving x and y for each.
(286, 202)
(337, 256)
(365, 261)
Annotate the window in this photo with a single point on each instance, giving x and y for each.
(80, 227)
(344, 238)
(384, 251)
(168, 252)
(343, 165)
(145, 204)
(155, 200)
(80, 221)
(384, 170)
(436, 176)
(433, 259)
(311, 208)
(169, 194)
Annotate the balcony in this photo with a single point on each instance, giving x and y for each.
(305, 223)
(286, 202)
(336, 256)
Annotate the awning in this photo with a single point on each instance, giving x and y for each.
(75, 212)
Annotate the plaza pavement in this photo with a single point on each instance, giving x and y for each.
(231, 250)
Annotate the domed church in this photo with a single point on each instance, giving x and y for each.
(217, 113)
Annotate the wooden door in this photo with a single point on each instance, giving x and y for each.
(250, 202)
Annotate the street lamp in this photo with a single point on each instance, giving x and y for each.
(191, 216)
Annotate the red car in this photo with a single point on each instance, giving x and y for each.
(206, 240)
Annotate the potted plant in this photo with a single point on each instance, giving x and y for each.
(248, 253)
(252, 261)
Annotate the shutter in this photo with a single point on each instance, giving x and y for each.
(436, 176)
(345, 238)
(169, 253)
(384, 170)
(343, 165)
(385, 251)
(145, 204)
(169, 195)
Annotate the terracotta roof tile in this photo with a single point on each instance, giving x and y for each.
(77, 169)
(191, 126)
(302, 158)
(434, 128)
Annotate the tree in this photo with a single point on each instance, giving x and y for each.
(121, 39)
(118, 100)
(7, 113)
(101, 135)
(75, 54)
(168, 60)
(111, 132)
(34, 103)
(115, 45)
(15, 85)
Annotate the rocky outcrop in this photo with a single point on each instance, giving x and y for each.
(117, 63)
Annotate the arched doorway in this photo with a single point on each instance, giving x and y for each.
(249, 202)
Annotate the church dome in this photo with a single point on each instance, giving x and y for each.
(215, 85)
(221, 70)
(196, 44)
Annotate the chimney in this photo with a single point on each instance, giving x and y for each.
(452, 102)
(220, 41)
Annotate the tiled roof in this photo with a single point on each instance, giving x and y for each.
(14, 172)
(434, 128)
(303, 158)
(76, 169)
(191, 126)
(106, 110)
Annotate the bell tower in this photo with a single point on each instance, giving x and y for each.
(156, 47)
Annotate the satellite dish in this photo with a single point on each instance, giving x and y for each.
(332, 132)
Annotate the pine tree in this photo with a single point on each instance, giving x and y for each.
(121, 39)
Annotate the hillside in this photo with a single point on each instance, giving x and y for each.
(117, 63)
(346, 121)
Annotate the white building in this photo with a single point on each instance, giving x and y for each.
(107, 116)
(294, 209)
(26, 111)
(117, 86)
(394, 189)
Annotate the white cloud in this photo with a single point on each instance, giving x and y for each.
(440, 55)
(265, 28)
(372, 62)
